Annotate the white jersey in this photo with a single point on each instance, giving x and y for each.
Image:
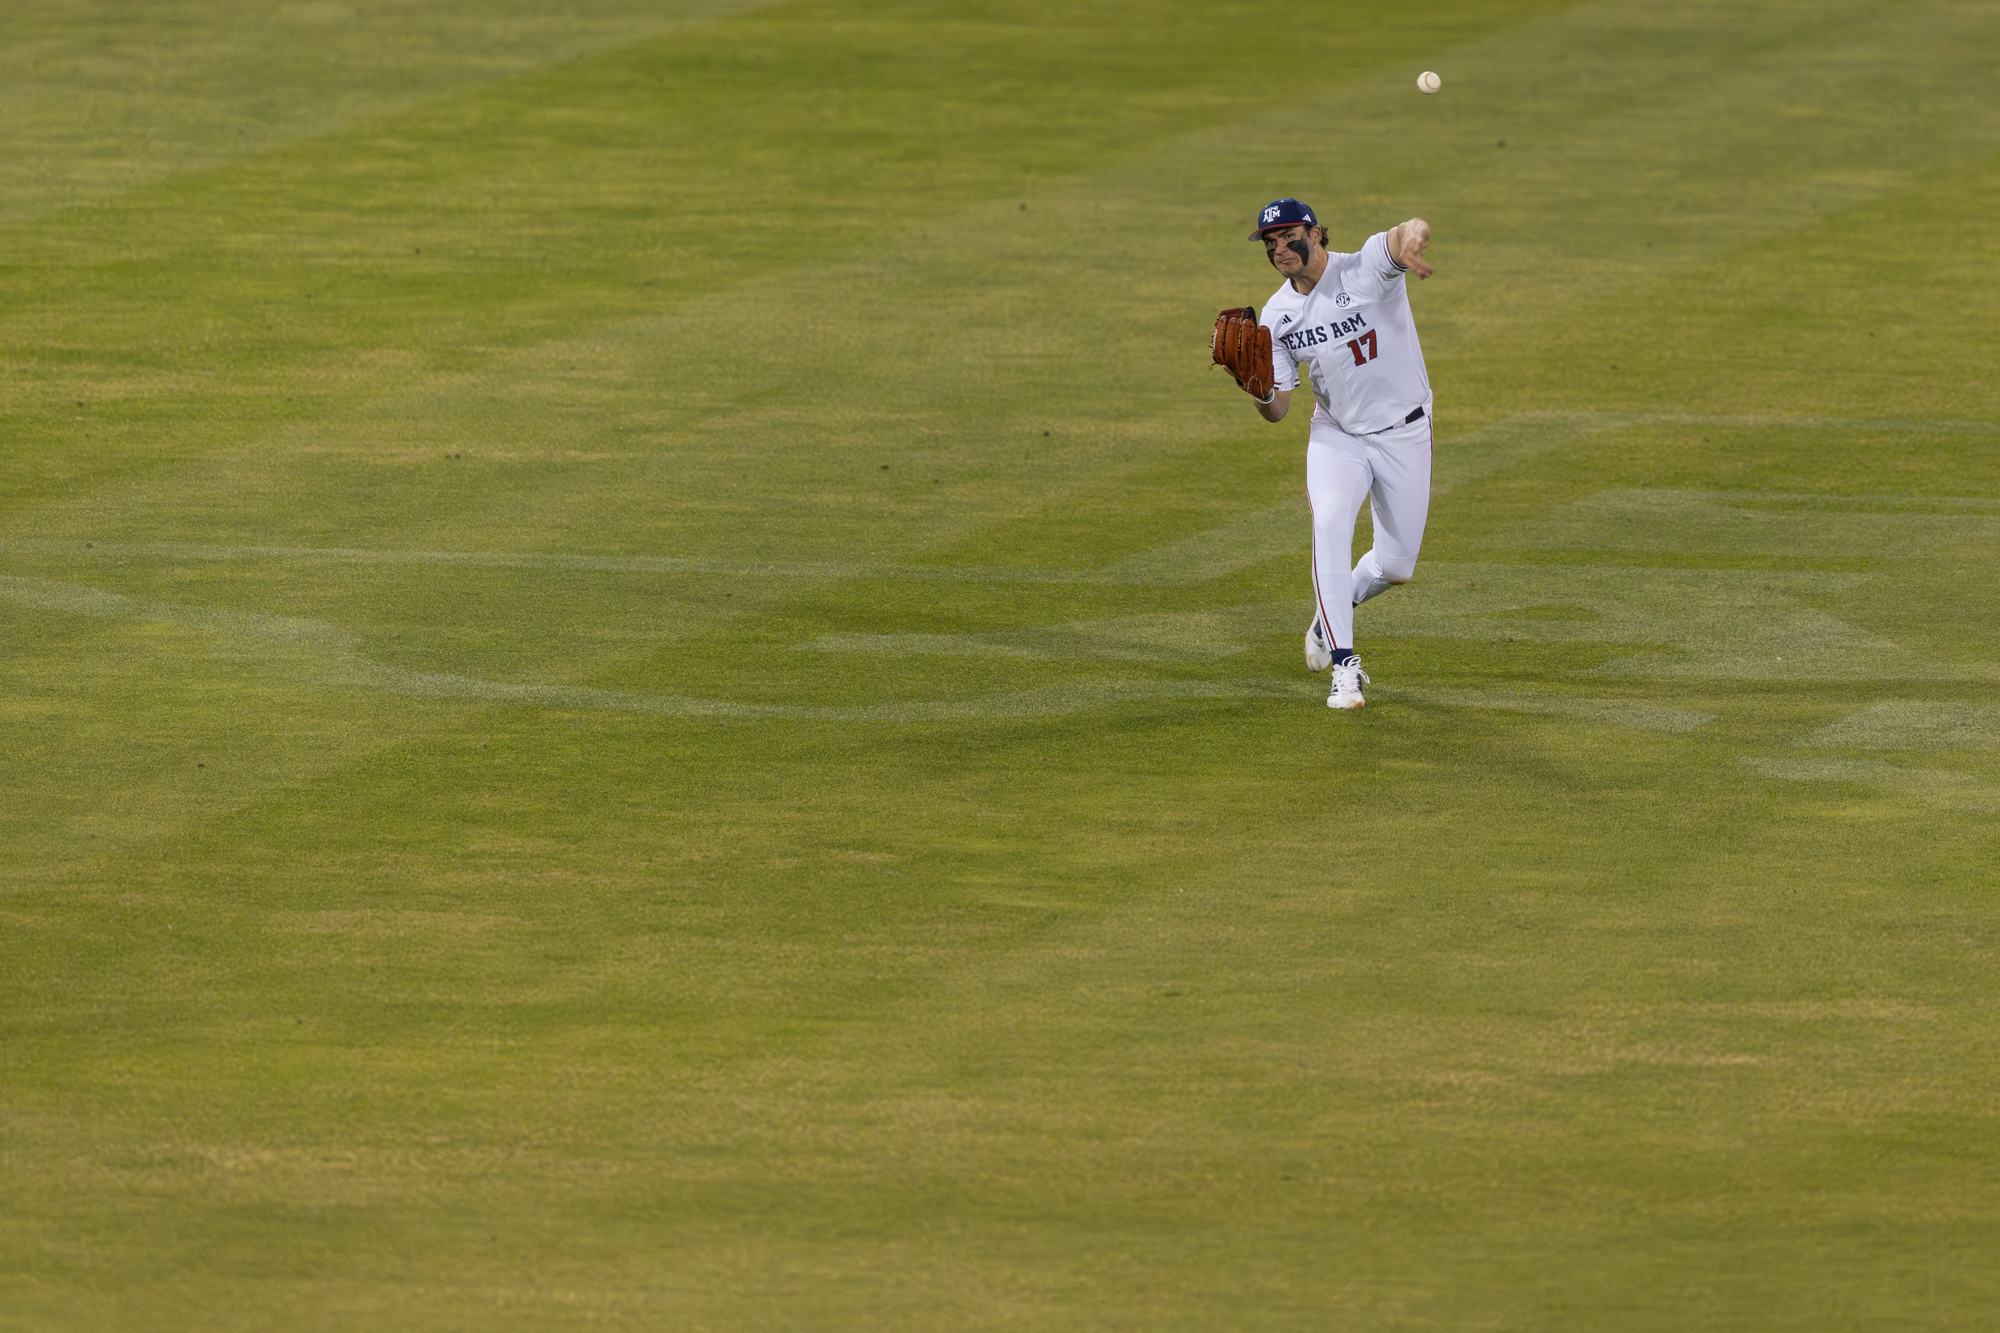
(1355, 337)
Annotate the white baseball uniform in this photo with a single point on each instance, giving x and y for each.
(1371, 423)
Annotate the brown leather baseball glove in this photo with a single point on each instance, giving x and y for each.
(1242, 346)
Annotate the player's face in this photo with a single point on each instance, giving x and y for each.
(1289, 248)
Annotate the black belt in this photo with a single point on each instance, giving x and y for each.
(1416, 414)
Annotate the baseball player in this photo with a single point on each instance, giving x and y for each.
(1344, 320)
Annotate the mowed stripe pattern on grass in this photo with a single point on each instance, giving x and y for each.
(584, 750)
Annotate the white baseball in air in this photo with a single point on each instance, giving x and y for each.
(1428, 83)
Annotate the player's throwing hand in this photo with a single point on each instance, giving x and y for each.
(1407, 243)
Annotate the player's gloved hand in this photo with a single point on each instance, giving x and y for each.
(1242, 346)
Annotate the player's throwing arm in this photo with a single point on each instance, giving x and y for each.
(1341, 324)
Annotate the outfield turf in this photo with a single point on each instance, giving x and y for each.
(649, 683)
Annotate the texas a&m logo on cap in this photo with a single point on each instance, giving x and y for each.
(1283, 213)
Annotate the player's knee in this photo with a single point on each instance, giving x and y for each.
(1398, 571)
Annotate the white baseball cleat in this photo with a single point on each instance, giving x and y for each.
(1347, 681)
(1319, 653)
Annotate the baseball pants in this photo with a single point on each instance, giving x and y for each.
(1391, 469)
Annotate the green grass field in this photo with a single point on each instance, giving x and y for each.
(648, 682)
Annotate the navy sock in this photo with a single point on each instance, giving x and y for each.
(1341, 655)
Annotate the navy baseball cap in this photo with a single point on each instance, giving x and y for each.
(1283, 213)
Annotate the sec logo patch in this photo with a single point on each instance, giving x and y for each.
(1342, 298)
